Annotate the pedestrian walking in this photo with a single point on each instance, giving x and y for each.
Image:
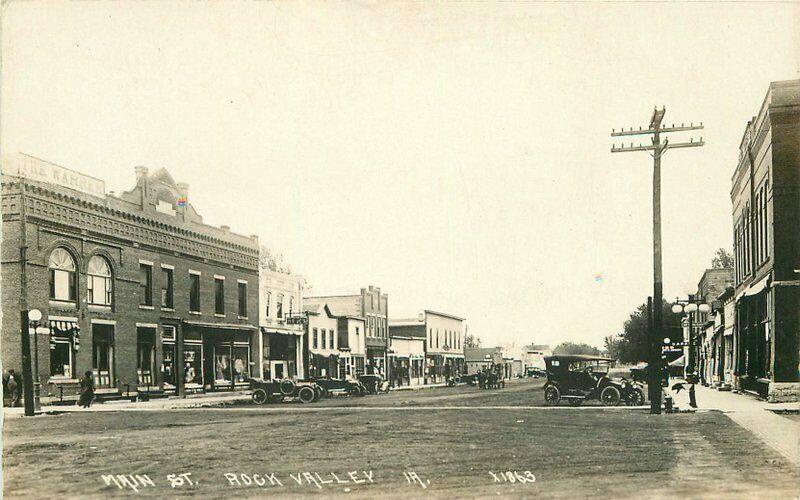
(87, 390)
(13, 388)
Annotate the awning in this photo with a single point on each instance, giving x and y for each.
(756, 288)
(273, 331)
(678, 362)
(62, 328)
(219, 326)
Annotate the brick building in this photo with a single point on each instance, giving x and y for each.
(373, 306)
(134, 288)
(765, 194)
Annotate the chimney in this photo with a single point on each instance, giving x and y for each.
(141, 173)
(225, 228)
(254, 237)
(421, 317)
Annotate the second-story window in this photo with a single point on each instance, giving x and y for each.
(316, 338)
(269, 299)
(167, 287)
(291, 304)
(194, 292)
(332, 337)
(98, 281)
(63, 279)
(279, 306)
(219, 295)
(242, 299)
(145, 284)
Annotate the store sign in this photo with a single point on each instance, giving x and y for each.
(22, 165)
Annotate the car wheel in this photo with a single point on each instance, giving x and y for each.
(610, 396)
(637, 398)
(259, 396)
(306, 395)
(287, 387)
(551, 394)
(362, 391)
(575, 401)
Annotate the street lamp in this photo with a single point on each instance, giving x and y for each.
(690, 306)
(34, 316)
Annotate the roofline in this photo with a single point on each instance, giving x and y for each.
(452, 316)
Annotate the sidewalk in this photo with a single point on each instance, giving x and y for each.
(780, 433)
(191, 401)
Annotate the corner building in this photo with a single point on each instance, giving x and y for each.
(134, 288)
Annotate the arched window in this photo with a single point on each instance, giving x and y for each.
(63, 283)
(98, 281)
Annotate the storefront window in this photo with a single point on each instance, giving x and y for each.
(61, 357)
(193, 364)
(241, 364)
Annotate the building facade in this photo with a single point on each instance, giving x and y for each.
(765, 195)
(134, 288)
(373, 306)
(444, 354)
(352, 346)
(282, 337)
(323, 354)
(407, 341)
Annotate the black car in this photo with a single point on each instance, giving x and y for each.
(576, 378)
(275, 391)
(332, 386)
(536, 372)
(374, 384)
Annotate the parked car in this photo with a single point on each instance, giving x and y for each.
(275, 391)
(331, 386)
(576, 378)
(471, 379)
(632, 392)
(536, 372)
(374, 384)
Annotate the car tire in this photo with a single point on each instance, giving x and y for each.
(306, 395)
(552, 395)
(259, 396)
(287, 387)
(610, 396)
(636, 398)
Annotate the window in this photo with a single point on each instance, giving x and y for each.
(280, 306)
(146, 284)
(316, 338)
(194, 292)
(98, 281)
(324, 338)
(269, 299)
(62, 276)
(291, 304)
(242, 299)
(219, 295)
(61, 352)
(332, 336)
(167, 288)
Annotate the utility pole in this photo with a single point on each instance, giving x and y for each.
(24, 323)
(658, 149)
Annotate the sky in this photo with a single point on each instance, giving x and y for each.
(457, 155)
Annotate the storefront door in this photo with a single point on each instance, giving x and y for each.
(277, 370)
(145, 355)
(103, 355)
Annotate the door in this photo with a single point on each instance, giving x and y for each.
(103, 355)
(277, 369)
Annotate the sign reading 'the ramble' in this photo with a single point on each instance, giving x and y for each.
(23, 165)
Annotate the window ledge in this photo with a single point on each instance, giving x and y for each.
(168, 309)
(62, 380)
(242, 317)
(218, 315)
(148, 308)
(195, 312)
(63, 303)
(99, 307)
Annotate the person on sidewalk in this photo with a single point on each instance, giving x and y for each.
(13, 388)
(87, 390)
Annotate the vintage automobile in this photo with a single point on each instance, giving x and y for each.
(334, 386)
(535, 372)
(275, 391)
(576, 378)
(632, 392)
(374, 384)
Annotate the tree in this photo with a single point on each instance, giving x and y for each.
(472, 340)
(723, 259)
(573, 348)
(633, 343)
(613, 345)
(268, 260)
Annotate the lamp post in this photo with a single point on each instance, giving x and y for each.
(34, 317)
(690, 306)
